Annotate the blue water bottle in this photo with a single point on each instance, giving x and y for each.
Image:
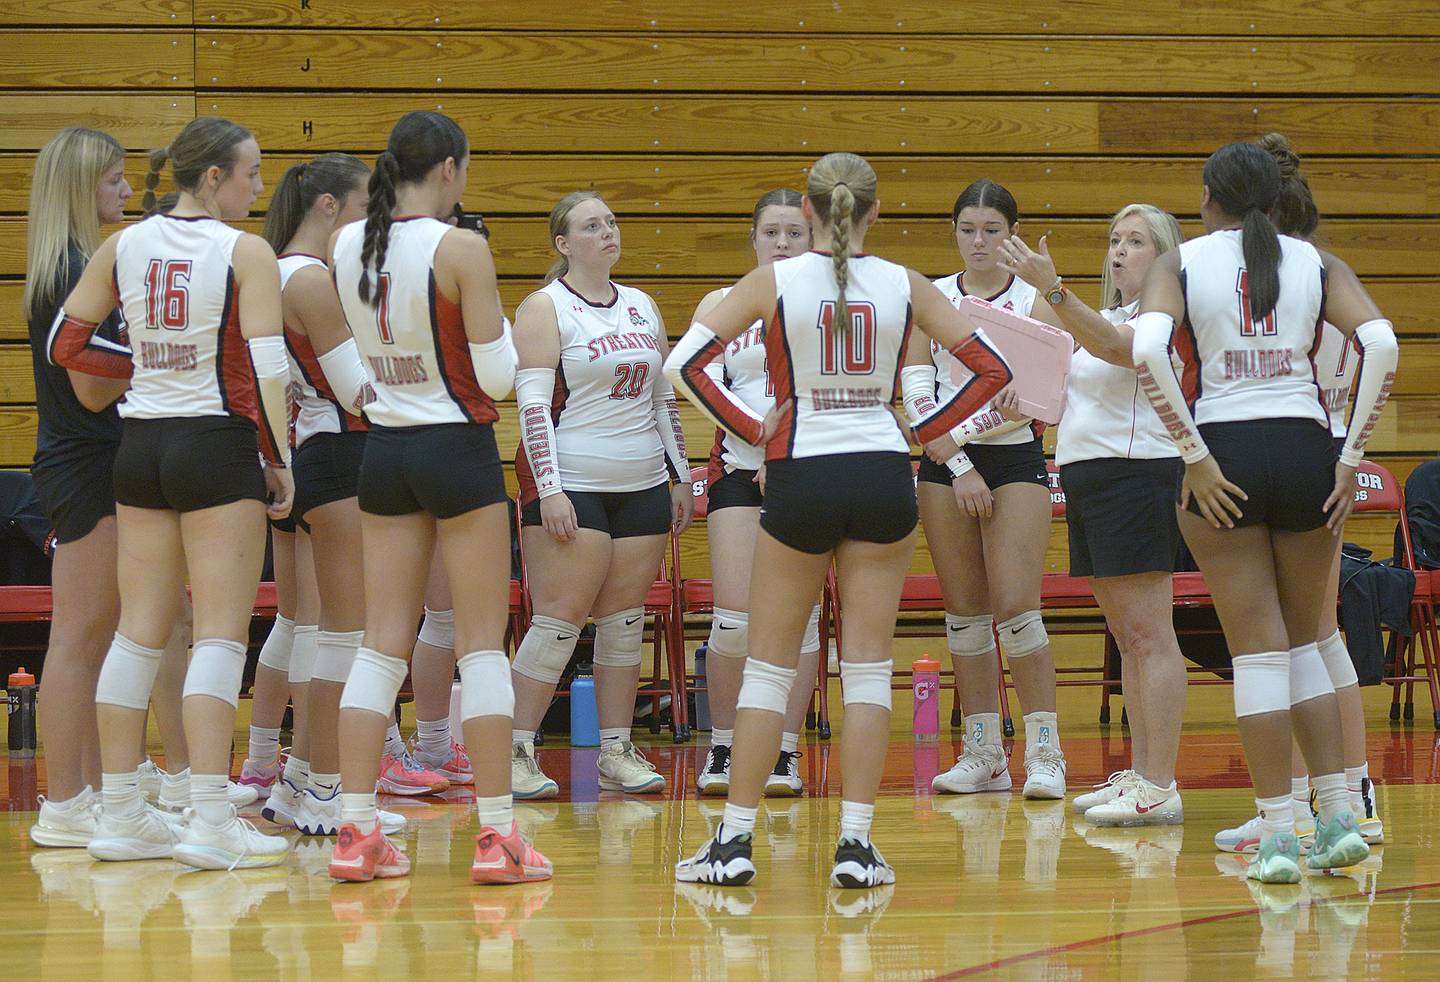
(584, 717)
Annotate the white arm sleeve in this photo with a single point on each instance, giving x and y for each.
(535, 390)
(672, 434)
(1151, 353)
(917, 392)
(272, 377)
(347, 376)
(1379, 354)
(495, 362)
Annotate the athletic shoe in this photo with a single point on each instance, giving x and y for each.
(859, 865)
(147, 834)
(1304, 827)
(784, 781)
(527, 780)
(151, 778)
(233, 844)
(261, 777)
(624, 768)
(283, 805)
(403, 775)
(363, 856)
(1244, 838)
(1277, 860)
(455, 768)
(1368, 814)
(725, 864)
(714, 777)
(709, 901)
(321, 816)
(70, 827)
(174, 794)
(1338, 843)
(1044, 773)
(1113, 785)
(509, 858)
(1141, 803)
(980, 767)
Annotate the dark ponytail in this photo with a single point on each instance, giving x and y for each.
(1294, 212)
(335, 174)
(1244, 181)
(419, 141)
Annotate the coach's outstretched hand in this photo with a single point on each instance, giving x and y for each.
(1213, 494)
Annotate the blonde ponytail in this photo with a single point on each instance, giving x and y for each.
(842, 217)
(841, 186)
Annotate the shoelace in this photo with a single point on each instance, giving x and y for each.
(632, 753)
(1115, 778)
(719, 760)
(1046, 757)
(531, 764)
(247, 828)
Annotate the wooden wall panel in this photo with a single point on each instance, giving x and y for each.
(119, 13)
(138, 121)
(97, 59)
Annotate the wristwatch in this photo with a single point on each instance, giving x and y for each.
(1055, 296)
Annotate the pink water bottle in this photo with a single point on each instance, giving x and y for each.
(925, 673)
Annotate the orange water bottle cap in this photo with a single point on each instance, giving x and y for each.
(21, 677)
(925, 664)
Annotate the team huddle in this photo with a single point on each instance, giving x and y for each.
(339, 376)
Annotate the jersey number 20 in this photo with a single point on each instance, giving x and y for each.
(851, 352)
(167, 294)
(630, 379)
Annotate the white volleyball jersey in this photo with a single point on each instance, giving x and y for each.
(316, 408)
(412, 339)
(741, 369)
(1018, 296)
(1235, 368)
(1335, 365)
(843, 384)
(604, 414)
(1106, 413)
(175, 285)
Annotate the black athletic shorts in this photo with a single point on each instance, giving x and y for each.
(1121, 515)
(186, 463)
(619, 514)
(76, 493)
(327, 468)
(446, 469)
(1285, 466)
(999, 464)
(735, 489)
(814, 503)
(289, 524)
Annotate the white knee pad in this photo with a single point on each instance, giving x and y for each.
(1338, 662)
(303, 653)
(374, 682)
(618, 638)
(811, 641)
(128, 674)
(1024, 634)
(729, 633)
(438, 629)
(335, 654)
(1262, 683)
(765, 686)
(1309, 679)
(217, 669)
(866, 682)
(970, 635)
(275, 652)
(546, 649)
(485, 688)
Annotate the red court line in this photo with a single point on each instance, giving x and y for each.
(1141, 932)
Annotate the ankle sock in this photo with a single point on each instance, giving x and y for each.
(360, 810)
(497, 812)
(789, 742)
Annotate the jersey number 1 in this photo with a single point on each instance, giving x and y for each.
(382, 319)
(167, 294)
(1268, 327)
(851, 352)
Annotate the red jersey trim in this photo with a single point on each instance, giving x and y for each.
(235, 375)
(990, 376)
(781, 366)
(452, 353)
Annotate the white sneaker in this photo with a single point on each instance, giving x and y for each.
(1243, 838)
(623, 768)
(1139, 803)
(321, 816)
(1044, 773)
(714, 776)
(233, 844)
(70, 827)
(174, 793)
(784, 781)
(1368, 814)
(1113, 785)
(147, 834)
(527, 780)
(151, 780)
(980, 767)
(283, 804)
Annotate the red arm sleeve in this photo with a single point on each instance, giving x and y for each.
(991, 375)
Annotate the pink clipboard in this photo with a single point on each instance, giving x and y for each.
(1038, 356)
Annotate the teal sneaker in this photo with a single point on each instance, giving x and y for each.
(1277, 861)
(1337, 843)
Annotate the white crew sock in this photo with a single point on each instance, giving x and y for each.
(264, 744)
(855, 820)
(722, 738)
(613, 734)
(359, 809)
(497, 812)
(1331, 798)
(1041, 730)
(207, 797)
(738, 821)
(394, 746)
(120, 793)
(433, 738)
(1276, 815)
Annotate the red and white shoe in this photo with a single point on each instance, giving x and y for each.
(507, 859)
(404, 776)
(455, 768)
(360, 857)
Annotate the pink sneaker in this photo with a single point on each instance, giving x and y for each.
(457, 769)
(507, 859)
(359, 857)
(261, 777)
(404, 776)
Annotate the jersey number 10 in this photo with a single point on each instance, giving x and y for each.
(851, 352)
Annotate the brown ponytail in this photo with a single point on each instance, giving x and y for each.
(379, 215)
(158, 159)
(842, 217)
(205, 142)
(841, 186)
(560, 225)
(335, 174)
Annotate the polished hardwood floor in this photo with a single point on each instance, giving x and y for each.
(988, 885)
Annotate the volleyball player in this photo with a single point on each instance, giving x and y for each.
(1296, 214)
(604, 476)
(1263, 494)
(988, 497)
(1119, 467)
(420, 300)
(838, 487)
(189, 486)
(778, 230)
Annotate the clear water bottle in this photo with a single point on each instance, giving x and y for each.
(584, 716)
(925, 674)
(20, 690)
